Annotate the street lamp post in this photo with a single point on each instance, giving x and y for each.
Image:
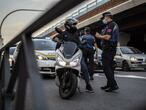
(1, 38)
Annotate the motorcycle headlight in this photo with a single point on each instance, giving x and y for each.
(41, 57)
(75, 62)
(133, 59)
(60, 61)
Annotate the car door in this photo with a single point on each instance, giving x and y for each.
(118, 57)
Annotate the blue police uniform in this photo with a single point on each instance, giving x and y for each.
(90, 40)
(113, 30)
(109, 51)
(88, 52)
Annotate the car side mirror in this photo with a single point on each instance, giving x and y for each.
(58, 30)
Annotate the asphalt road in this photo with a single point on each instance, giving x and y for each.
(130, 96)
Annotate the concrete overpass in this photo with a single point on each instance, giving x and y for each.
(129, 14)
(114, 6)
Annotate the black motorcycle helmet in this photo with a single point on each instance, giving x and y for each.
(70, 25)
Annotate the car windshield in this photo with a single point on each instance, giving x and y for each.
(44, 45)
(130, 50)
(11, 50)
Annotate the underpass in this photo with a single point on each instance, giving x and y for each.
(43, 93)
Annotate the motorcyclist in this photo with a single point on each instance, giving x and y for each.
(70, 34)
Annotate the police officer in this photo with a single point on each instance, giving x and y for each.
(109, 39)
(88, 51)
(70, 34)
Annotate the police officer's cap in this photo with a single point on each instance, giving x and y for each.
(107, 14)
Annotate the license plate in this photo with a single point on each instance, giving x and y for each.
(144, 63)
(51, 56)
(48, 69)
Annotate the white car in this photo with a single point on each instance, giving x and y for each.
(45, 55)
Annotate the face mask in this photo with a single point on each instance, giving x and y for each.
(104, 21)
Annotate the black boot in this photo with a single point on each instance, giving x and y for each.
(111, 89)
(105, 87)
(91, 78)
(89, 88)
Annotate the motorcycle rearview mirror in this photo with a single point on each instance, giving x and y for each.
(58, 30)
(62, 35)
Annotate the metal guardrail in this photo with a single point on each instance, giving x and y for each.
(25, 66)
(89, 7)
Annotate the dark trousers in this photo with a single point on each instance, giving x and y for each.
(84, 70)
(89, 60)
(107, 61)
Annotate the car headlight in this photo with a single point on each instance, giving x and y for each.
(133, 59)
(41, 57)
(75, 62)
(114, 59)
(60, 61)
(10, 59)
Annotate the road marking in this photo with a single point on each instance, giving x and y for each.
(124, 76)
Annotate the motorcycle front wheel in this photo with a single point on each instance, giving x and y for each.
(68, 86)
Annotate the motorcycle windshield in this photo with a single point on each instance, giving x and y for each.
(69, 49)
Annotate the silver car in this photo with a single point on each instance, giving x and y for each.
(129, 58)
(98, 60)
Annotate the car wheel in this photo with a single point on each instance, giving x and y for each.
(125, 66)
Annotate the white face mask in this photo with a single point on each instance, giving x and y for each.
(104, 21)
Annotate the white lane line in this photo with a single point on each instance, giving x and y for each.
(125, 76)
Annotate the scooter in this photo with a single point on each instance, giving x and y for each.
(68, 68)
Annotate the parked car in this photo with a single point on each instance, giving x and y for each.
(98, 60)
(128, 58)
(45, 55)
(11, 58)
